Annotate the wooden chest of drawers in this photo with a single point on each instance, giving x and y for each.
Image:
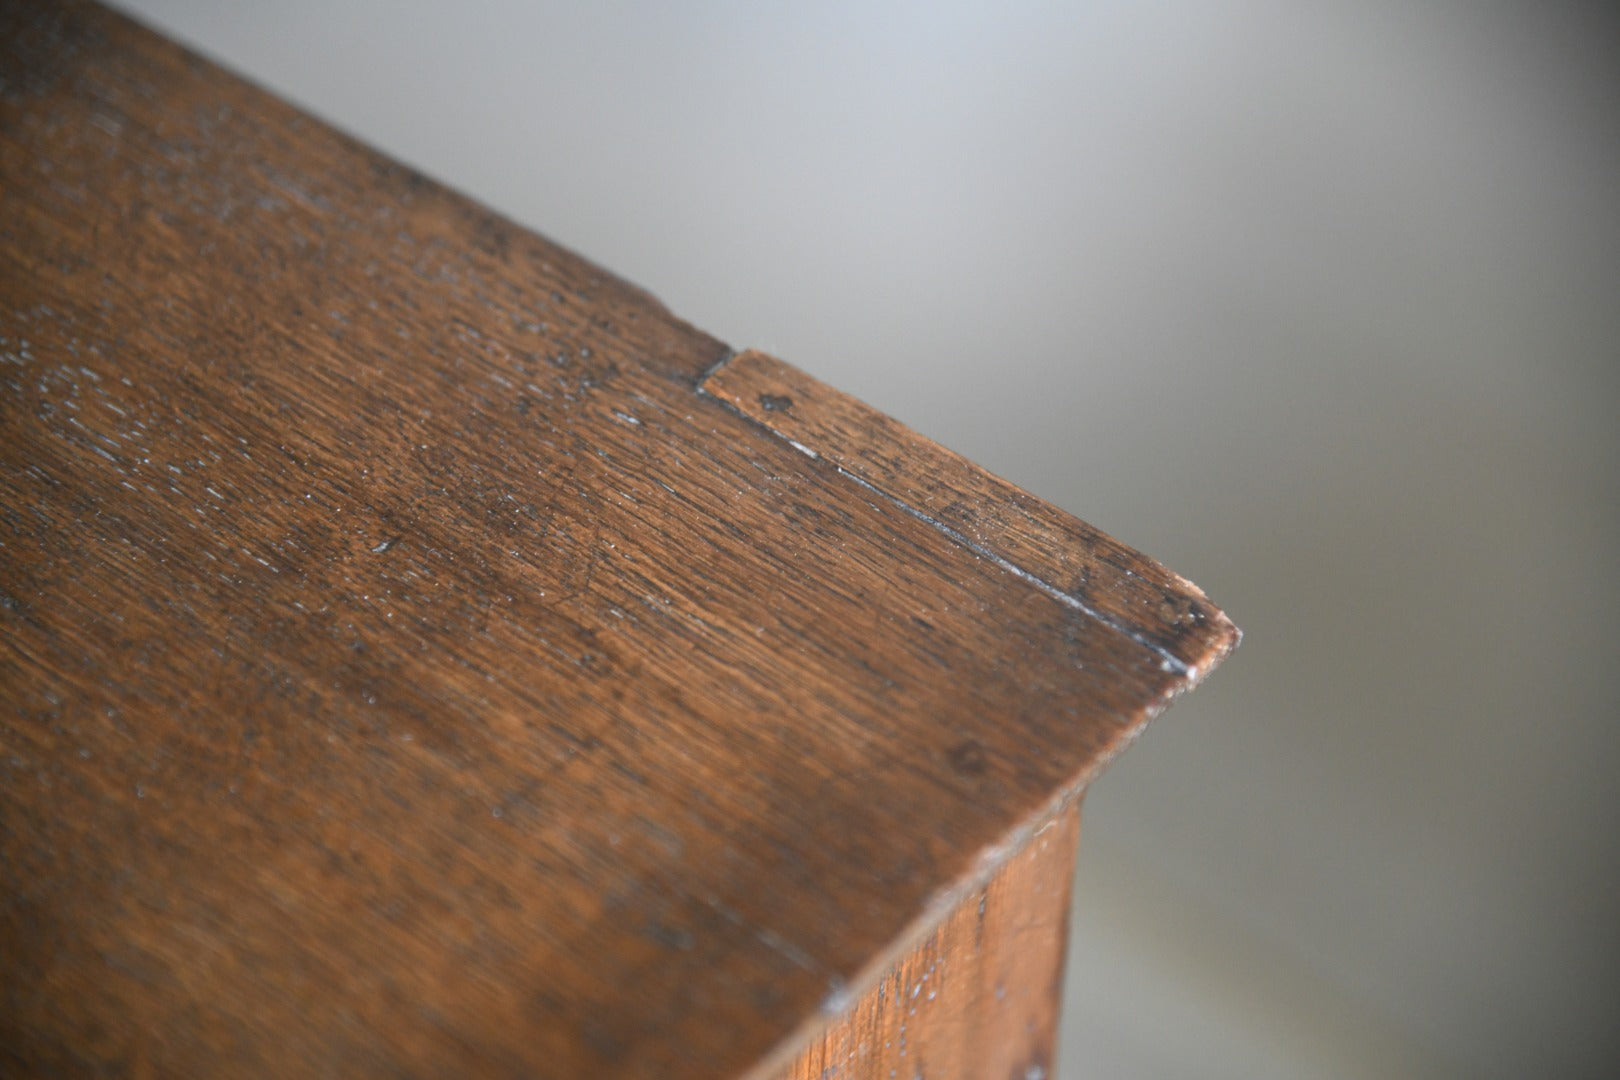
(423, 654)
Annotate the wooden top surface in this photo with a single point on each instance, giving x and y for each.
(423, 654)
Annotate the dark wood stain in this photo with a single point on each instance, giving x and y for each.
(407, 669)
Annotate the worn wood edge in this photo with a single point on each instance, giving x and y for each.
(869, 448)
(987, 864)
(741, 382)
(1066, 826)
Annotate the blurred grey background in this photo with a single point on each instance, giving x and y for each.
(1318, 303)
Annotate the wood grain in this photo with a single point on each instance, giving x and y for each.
(407, 670)
(1056, 551)
(979, 997)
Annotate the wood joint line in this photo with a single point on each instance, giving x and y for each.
(733, 399)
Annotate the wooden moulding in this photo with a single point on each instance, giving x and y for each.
(423, 654)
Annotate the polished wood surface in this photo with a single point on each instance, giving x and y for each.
(423, 654)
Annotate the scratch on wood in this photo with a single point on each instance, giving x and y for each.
(854, 423)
